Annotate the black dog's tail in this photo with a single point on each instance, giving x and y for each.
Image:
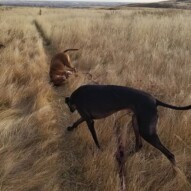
(72, 49)
(171, 106)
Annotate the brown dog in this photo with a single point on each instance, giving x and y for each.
(61, 67)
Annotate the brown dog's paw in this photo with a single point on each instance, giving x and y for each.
(70, 128)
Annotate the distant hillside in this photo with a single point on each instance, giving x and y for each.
(177, 4)
(59, 4)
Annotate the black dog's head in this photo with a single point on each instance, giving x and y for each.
(71, 106)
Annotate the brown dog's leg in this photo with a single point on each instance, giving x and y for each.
(138, 140)
(69, 63)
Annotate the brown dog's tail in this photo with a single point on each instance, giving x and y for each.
(72, 49)
(171, 106)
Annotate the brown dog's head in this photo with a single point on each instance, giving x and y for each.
(67, 73)
(58, 80)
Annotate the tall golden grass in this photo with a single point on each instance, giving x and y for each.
(142, 48)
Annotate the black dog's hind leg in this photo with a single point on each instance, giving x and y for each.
(138, 141)
(148, 132)
(79, 121)
(90, 124)
(155, 141)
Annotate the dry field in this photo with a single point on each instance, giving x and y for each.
(142, 48)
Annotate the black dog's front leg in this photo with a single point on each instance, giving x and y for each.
(90, 124)
(79, 121)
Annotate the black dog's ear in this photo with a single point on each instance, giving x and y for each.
(67, 100)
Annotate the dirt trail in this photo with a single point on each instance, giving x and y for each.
(49, 47)
(120, 157)
(69, 178)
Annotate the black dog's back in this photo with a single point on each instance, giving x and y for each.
(107, 99)
(108, 93)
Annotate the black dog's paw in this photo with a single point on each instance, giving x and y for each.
(69, 128)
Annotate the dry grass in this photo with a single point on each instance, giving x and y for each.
(146, 49)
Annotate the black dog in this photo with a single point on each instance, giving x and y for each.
(99, 101)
